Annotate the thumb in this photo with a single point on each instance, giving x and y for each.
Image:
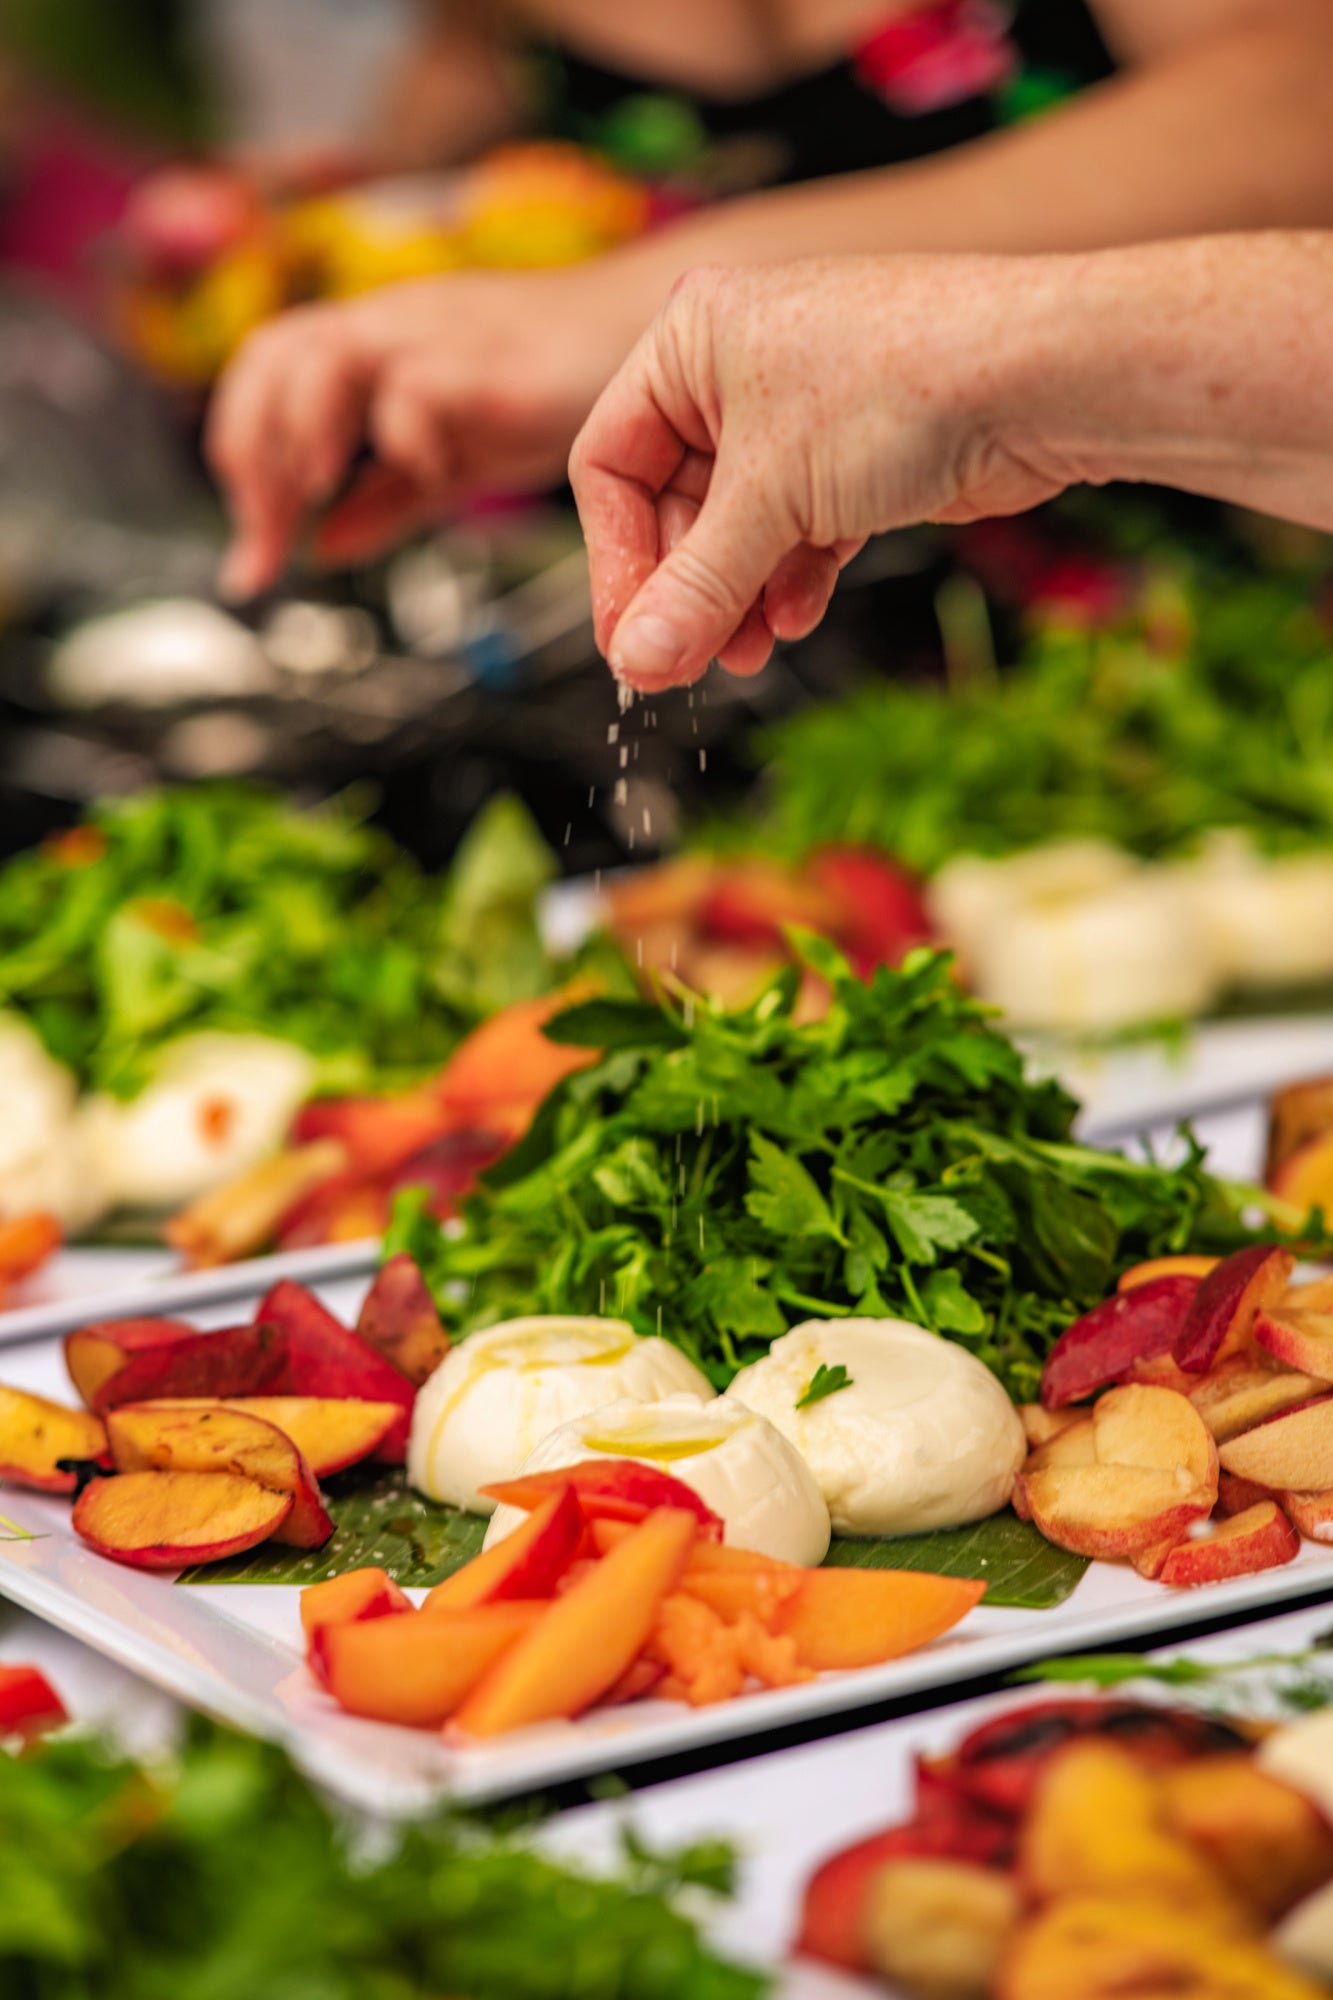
(684, 613)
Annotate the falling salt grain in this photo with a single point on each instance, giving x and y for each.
(569, 831)
(621, 792)
(647, 820)
(592, 793)
(624, 755)
(703, 760)
(613, 732)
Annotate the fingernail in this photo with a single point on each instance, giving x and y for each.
(647, 648)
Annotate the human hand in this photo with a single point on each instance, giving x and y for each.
(769, 421)
(470, 380)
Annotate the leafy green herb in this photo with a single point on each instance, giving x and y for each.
(824, 1382)
(1210, 706)
(1294, 1683)
(224, 907)
(227, 1874)
(721, 1176)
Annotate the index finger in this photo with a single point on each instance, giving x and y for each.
(626, 453)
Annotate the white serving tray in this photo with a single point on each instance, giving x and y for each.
(788, 1811)
(234, 1650)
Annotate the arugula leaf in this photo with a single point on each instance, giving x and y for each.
(826, 1381)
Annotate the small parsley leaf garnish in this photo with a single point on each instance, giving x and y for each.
(824, 1382)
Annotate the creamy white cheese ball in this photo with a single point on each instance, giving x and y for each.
(923, 1437)
(43, 1165)
(217, 1105)
(736, 1461)
(497, 1394)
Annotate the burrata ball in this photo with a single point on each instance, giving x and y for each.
(497, 1394)
(922, 1437)
(736, 1461)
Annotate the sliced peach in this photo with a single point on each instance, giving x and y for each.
(614, 1489)
(1240, 1393)
(528, 1563)
(417, 1670)
(1110, 1946)
(588, 1637)
(1165, 1267)
(1131, 1326)
(499, 1074)
(166, 1520)
(36, 1434)
(843, 1618)
(1311, 1513)
(1074, 1444)
(1163, 1371)
(330, 1432)
(1302, 1341)
(1305, 1177)
(764, 1594)
(1271, 1844)
(1312, 1295)
(325, 1358)
(345, 1599)
(143, 1438)
(1157, 1429)
(1221, 1317)
(1291, 1452)
(398, 1319)
(245, 1214)
(1259, 1538)
(673, 891)
(26, 1241)
(371, 1133)
(237, 1361)
(1236, 1496)
(1299, 1112)
(1040, 1425)
(1113, 1512)
(94, 1353)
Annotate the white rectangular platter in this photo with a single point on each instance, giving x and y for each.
(788, 1811)
(234, 1650)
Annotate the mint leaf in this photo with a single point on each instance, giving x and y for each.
(826, 1381)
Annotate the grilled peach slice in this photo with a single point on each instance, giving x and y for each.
(35, 1435)
(143, 1438)
(166, 1520)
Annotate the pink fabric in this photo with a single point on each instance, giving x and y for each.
(938, 55)
(67, 187)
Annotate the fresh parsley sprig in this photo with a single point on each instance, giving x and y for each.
(719, 1176)
(826, 1381)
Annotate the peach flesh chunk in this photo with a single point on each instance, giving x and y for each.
(165, 1520)
(1153, 1471)
(35, 1434)
(416, 1670)
(1293, 1452)
(1239, 1394)
(1155, 1429)
(1260, 1538)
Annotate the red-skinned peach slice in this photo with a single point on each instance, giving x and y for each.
(882, 912)
(356, 1594)
(167, 1520)
(1235, 1496)
(499, 1074)
(1242, 1392)
(145, 1438)
(1183, 1266)
(94, 1353)
(29, 1704)
(844, 1618)
(528, 1563)
(1301, 1341)
(1112, 1512)
(374, 1133)
(398, 1319)
(752, 901)
(1291, 1452)
(325, 1358)
(1260, 1538)
(35, 1434)
(26, 1241)
(1312, 1513)
(1131, 1326)
(588, 1637)
(837, 1897)
(449, 1167)
(1221, 1317)
(330, 1432)
(237, 1361)
(1157, 1430)
(609, 1489)
(415, 1670)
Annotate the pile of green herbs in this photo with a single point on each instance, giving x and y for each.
(1210, 705)
(225, 907)
(227, 1875)
(718, 1177)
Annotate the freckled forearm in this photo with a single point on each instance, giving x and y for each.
(1206, 365)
